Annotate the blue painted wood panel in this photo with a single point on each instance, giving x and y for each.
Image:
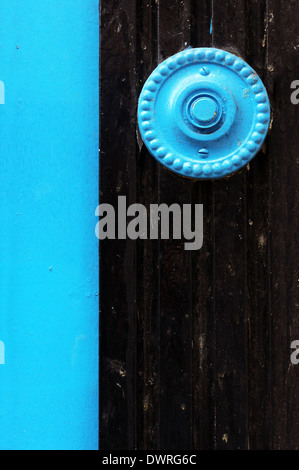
(49, 252)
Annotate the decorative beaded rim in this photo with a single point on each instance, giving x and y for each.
(157, 145)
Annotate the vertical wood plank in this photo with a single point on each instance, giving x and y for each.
(283, 144)
(195, 346)
(259, 352)
(175, 270)
(148, 301)
(118, 176)
(202, 280)
(229, 289)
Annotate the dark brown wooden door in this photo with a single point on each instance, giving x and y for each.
(195, 346)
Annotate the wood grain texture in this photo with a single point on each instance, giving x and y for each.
(175, 271)
(118, 176)
(283, 142)
(257, 256)
(148, 272)
(195, 346)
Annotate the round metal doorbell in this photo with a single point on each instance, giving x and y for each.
(203, 113)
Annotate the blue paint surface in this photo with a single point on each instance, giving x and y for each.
(48, 194)
(204, 113)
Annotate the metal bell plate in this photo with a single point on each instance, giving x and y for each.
(203, 113)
